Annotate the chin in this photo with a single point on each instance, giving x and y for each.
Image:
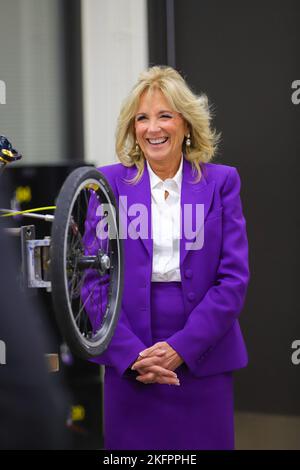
(158, 157)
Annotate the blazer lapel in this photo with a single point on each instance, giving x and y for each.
(193, 194)
(137, 198)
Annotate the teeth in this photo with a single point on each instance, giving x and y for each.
(158, 141)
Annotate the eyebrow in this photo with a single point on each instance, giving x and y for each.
(159, 112)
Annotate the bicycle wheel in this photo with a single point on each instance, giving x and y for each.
(86, 262)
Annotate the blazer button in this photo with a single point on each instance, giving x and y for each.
(188, 273)
(191, 296)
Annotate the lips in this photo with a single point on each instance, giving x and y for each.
(157, 141)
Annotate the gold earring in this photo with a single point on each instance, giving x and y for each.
(137, 148)
(188, 140)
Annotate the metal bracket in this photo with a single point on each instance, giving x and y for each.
(35, 259)
(38, 263)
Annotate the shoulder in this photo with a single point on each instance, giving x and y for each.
(223, 175)
(114, 170)
(217, 171)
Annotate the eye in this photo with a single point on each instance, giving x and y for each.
(166, 116)
(140, 118)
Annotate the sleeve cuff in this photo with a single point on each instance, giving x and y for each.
(177, 343)
(123, 361)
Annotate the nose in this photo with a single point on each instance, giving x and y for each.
(153, 126)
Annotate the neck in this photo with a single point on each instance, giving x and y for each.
(164, 169)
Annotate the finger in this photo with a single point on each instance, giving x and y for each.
(146, 378)
(152, 378)
(143, 364)
(158, 370)
(147, 362)
(147, 352)
(167, 380)
(157, 352)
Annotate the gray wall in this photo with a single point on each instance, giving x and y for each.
(115, 51)
(32, 67)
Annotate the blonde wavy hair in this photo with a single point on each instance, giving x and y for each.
(194, 109)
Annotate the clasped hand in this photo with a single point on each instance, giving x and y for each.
(157, 364)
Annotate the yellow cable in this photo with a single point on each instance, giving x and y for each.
(9, 214)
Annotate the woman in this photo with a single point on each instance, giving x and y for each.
(168, 376)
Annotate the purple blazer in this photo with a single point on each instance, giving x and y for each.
(214, 277)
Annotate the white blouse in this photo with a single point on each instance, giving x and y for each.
(165, 226)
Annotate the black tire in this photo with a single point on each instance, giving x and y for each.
(71, 266)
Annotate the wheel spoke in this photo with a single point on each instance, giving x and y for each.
(86, 301)
(91, 299)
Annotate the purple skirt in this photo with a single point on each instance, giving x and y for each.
(194, 416)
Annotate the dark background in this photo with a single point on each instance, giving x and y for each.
(82, 379)
(245, 56)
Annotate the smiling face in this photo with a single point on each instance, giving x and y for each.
(159, 130)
